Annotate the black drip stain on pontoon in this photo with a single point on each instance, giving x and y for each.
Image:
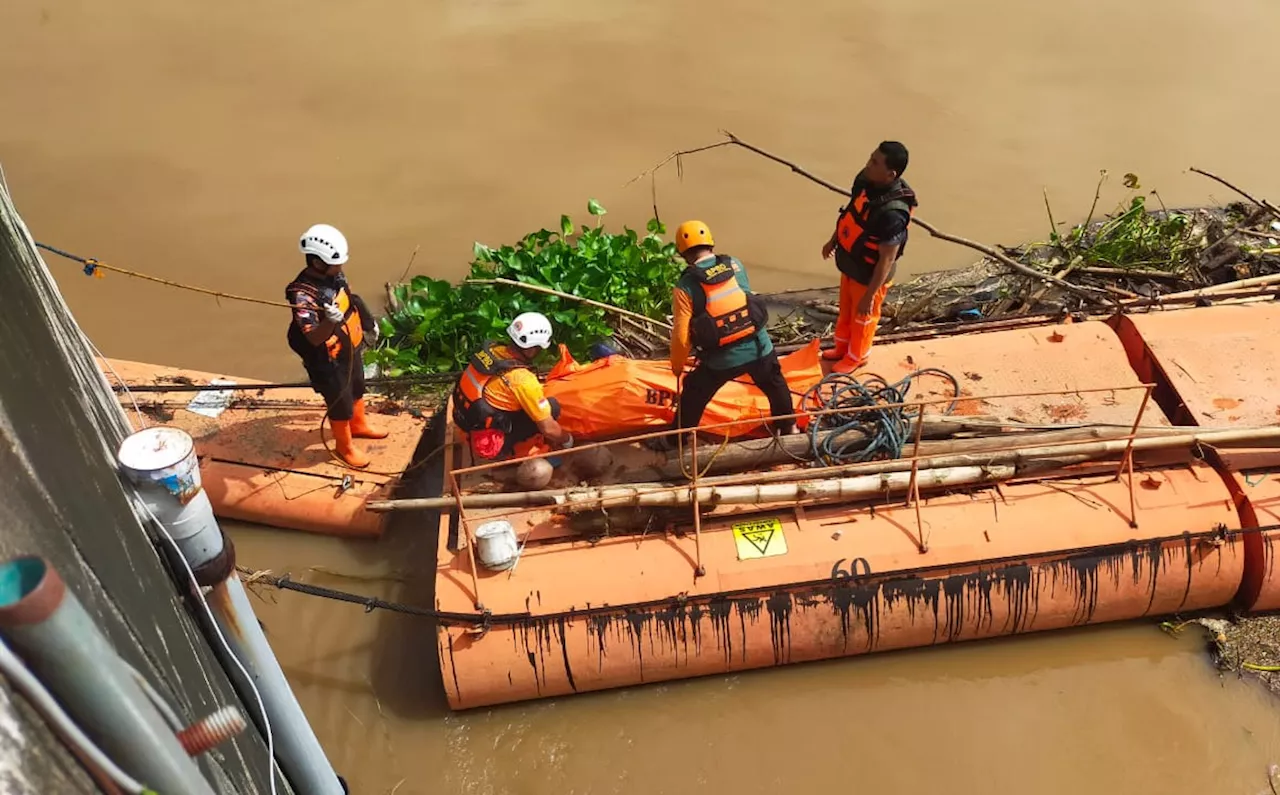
(719, 608)
(850, 597)
(636, 621)
(453, 667)
(779, 607)
(564, 651)
(598, 625)
(962, 604)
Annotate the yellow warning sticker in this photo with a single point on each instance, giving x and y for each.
(760, 539)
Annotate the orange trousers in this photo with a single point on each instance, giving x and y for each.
(855, 332)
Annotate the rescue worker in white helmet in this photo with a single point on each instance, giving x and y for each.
(328, 332)
(499, 401)
(716, 316)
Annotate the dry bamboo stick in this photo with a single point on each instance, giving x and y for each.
(1256, 285)
(1065, 454)
(1256, 281)
(787, 449)
(1135, 272)
(853, 488)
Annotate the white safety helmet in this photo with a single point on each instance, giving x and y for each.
(325, 242)
(529, 329)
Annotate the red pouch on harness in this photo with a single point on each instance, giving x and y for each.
(487, 443)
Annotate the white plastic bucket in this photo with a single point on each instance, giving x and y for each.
(497, 545)
(162, 456)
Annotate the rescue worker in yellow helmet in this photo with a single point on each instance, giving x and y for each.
(870, 236)
(716, 316)
(328, 332)
(499, 401)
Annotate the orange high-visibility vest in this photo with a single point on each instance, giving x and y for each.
(722, 310)
(471, 411)
(857, 251)
(349, 334)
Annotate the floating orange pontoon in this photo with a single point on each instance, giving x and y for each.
(261, 455)
(1221, 366)
(740, 587)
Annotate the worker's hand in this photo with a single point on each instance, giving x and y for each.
(568, 442)
(828, 249)
(332, 313)
(374, 334)
(865, 304)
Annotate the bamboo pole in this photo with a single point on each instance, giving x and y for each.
(853, 488)
(1256, 281)
(1026, 459)
(787, 449)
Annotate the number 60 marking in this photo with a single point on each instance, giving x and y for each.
(858, 567)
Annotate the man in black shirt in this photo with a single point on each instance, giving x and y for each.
(870, 236)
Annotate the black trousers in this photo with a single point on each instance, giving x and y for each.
(702, 384)
(517, 426)
(339, 381)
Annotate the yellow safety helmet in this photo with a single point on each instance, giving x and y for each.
(692, 233)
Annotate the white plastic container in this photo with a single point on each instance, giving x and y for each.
(162, 465)
(163, 456)
(497, 545)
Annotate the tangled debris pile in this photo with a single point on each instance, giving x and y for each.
(1245, 645)
(1133, 259)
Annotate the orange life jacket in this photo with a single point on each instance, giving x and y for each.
(471, 411)
(858, 251)
(349, 333)
(723, 312)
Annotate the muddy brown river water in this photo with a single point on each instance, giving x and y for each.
(195, 142)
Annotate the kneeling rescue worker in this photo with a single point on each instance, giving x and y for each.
(716, 315)
(498, 400)
(329, 327)
(870, 236)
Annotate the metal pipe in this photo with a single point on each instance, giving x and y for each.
(53, 633)
(161, 463)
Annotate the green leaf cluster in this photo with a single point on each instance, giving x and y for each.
(1133, 237)
(435, 326)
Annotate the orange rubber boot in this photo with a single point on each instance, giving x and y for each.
(360, 428)
(847, 365)
(837, 353)
(346, 450)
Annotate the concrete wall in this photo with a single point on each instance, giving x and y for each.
(60, 497)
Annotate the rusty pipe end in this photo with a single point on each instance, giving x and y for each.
(30, 591)
(211, 731)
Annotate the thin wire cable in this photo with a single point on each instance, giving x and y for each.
(34, 689)
(142, 418)
(195, 585)
(191, 576)
(161, 705)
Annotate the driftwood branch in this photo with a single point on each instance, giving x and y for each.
(1263, 203)
(409, 264)
(537, 288)
(733, 140)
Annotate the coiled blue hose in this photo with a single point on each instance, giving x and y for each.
(842, 437)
